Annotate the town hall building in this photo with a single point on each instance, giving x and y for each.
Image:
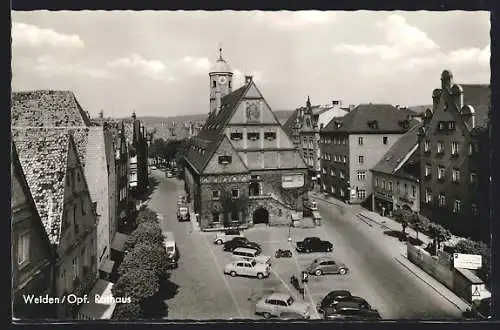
(242, 168)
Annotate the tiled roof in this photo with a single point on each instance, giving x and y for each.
(47, 108)
(387, 116)
(478, 96)
(228, 105)
(43, 155)
(399, 150)
(289, 125)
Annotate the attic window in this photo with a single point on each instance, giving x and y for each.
(236, 136)
(270, 135)
(225, 160)
(253, 136)
(373, 124)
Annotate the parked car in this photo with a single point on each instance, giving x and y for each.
(241, 242)
(183, 213)
(292, 316)
(168, 174)
(153, 167)
(349, 310)
(326, 265)
(277, 303)
(314, 244)
(247, 268)
(249, 254)
(332, 298)
(228, 235)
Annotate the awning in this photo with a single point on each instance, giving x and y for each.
(118, 243)
(107, 266)
(100, 304)
(316, 215)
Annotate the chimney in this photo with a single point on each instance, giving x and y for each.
(337, 102)
(397, 106)
(351, 106)
(248, 80)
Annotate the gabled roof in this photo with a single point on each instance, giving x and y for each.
(43, 155)
(400, 151)
(289, 125)
(478, 96)
(47, 108)
(387, 116)
(229, 104)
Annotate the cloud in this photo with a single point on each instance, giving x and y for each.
(49, 66)
(150, 68)
(196, 65)
(239, 77)
(28, 35)
(295, 19)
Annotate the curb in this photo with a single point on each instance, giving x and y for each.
(430, 285)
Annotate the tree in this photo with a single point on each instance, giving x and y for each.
(232, 205)
(146, 256)
(468, 246)
(148, 232)
(147, 216)
(439, 234)
(131, 311)
(138, 284)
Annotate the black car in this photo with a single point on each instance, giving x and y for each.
(314, 244)
(355, 299)
(350, 310)
(333, 298)
(241, 242)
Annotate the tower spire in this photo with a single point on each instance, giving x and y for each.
(220, 51)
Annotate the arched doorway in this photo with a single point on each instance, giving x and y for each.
(261, 215)
(254, 189)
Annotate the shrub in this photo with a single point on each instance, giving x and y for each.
(145, 256)
(130, 311)
(148, 232)
(147, 216)
(138, 284)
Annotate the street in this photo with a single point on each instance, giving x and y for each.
(206, 293)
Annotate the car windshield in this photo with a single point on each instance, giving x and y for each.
(289, 301)
(170, 249)
(183, 210)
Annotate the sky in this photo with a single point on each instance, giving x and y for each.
(156, 63)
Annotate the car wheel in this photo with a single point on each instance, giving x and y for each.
(218, 242)
(318, 272)
(342, 271)
(260, 276)
(232, 273)
(308, 250)
(266, 315)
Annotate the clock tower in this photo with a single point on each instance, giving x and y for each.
(221, 80)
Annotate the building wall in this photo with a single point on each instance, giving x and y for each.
(112, 185)
(122, 192)
(328, 181)
(133, 172)
(398, 195)
(79, 246)
(281, 140)
(372, 150)
(35, 276)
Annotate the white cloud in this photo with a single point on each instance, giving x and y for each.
(295, 19)
(50, 66)
(150, 68)
(32, 36)
(196, 65)
(239, 77)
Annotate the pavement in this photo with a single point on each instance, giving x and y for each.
(374, 271)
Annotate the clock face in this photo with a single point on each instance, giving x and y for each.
(222, 80)
(252, 111)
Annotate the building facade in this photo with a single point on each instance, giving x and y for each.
(57, 183)
(242, 168)
(453, 147)
(396, 178)
(33, 259)
(353, 144)
(138, 156)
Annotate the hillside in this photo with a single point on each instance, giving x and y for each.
(420, 108)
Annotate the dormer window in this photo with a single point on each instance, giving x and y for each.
(426, 146)
(225, 160)
(441, 126)
(440, 147)
(253, 136)
(451, 125)
(373, 124)
(270, 135)
(236, 136)
(454, 148)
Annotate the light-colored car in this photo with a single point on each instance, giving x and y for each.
(326, 265)
(248, 254)
(169, 174)
(277, 303)
(228, 235)
(247, 268)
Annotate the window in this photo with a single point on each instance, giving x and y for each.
(82, 207)
(471, 149)
(376, 182)
(236, 136)
(426, 146)
(23, 248)
(341, 174)
(215, 194)
(440, 147)
(270, 135)
(214, 84)
(332, 172)
(361, 175)
(235, 216)
(454, 148)
(383, 184)
(361, 159)
(441, 125)
(342, 193)
(332, 189)
(441, 173)
(361, 194)
(406, 189)
(253, 136)
(360, 140)
(75, 224)
(229, 83)
(329, 155)
(413, 191)
(235, 193)
(390, 186)
(76, 270)
(442, 199)
(428, 195)
(474, 209)
(345, 159)
(78, 175)
(215, 217)
(456, 206)
(456, 175)
(397, 186)
(384, 140)
(224, 160)
(428, 170)
(451, 125)
(473, 178)
(323, 170)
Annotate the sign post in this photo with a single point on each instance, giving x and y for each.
(467, 261)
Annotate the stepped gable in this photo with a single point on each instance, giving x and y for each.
(43, 155)
(47, 108)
